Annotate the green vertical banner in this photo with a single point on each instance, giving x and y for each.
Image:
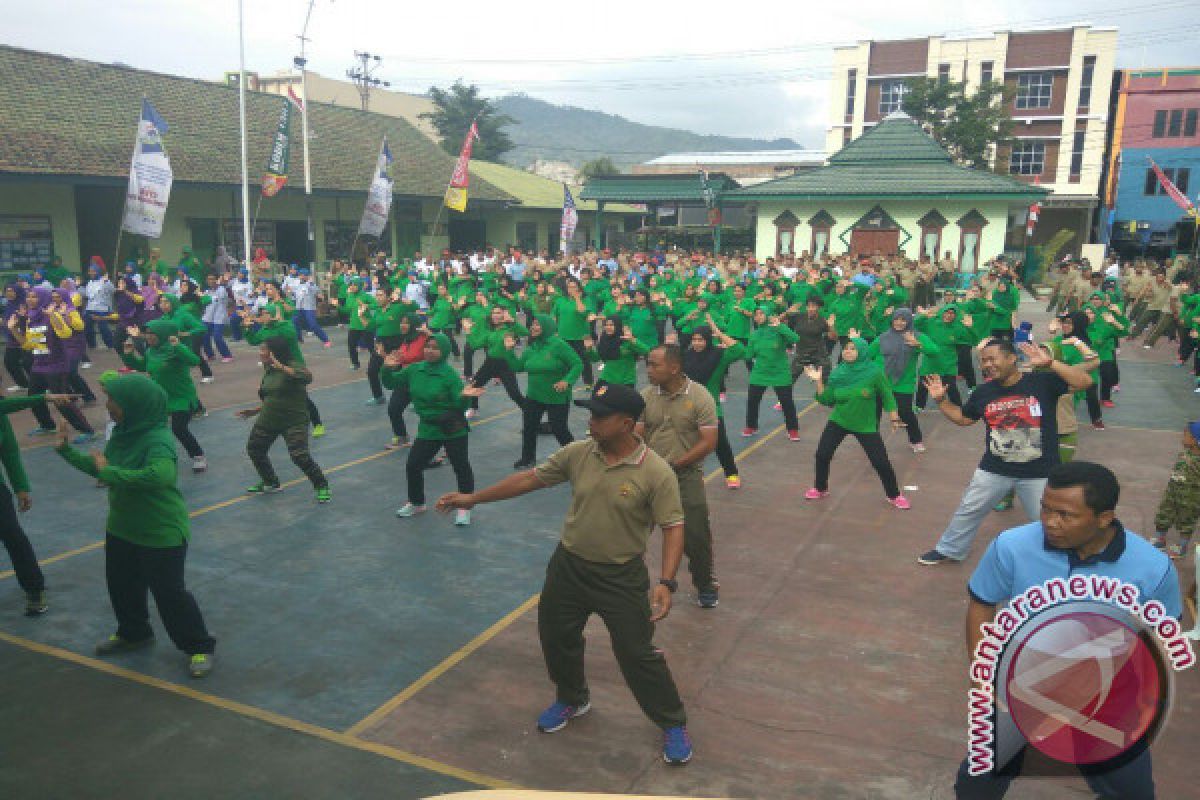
(276, 176)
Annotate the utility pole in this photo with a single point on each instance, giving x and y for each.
(363, 75)
(301, 63)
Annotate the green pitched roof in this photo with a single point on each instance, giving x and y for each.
(895, 158)
(534, 191)
(78, 118)
(654, 188)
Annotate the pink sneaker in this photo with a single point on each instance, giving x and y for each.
(227, 360)
(327, 344)
(794, 436)
(815, 494)
(724, 397)
(778, 407)
(900, 502)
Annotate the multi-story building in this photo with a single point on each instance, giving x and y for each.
(1156, 119)
(1061, 81)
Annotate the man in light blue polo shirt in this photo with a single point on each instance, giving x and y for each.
(1078, 534)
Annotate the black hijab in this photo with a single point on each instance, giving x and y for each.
(609, 347)
(1079, 326)
(699, 365)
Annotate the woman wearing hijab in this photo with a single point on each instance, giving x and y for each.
(40, 333)
(438, 395)
(409, 350)
(223, 263)
(98, 305)
(64, 307)
(284, 412)
(1106, 326)
(553, 367)
(215, 316)
(617, 350)
(899, 349)
(768, 348)
(499, 361)
(147, 531)
(707, 364)
(169, 363)
(854, 388)
(16, 358)
(944, 329)
(261, 265)
(191, 330)
(128, 306)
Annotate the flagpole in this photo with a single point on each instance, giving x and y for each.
(246, 229)
(302, 62)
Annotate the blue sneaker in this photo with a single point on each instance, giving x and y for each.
(677, 746)
(933, 558)
(707, 598)
(40, 431)
(556, 717)
(83, 438)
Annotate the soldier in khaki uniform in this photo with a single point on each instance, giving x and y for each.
(620, 489)
(680, 424)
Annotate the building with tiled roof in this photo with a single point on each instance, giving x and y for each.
(893, 189)
(66, 137)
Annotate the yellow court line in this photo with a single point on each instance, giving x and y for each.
(442, 668)
(507, 620)
(262, 715)
(87, 548)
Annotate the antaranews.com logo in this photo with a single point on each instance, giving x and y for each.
(1078, 668)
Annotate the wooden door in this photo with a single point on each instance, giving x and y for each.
(864, 242)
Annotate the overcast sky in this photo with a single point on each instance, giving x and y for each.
(754, 69)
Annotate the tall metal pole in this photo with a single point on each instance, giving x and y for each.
(246, 233)
(311, 254)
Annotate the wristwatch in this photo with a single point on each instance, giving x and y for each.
(670, 584)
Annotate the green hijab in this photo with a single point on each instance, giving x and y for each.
(443, 343)
(855, 373)
(142, 431)
(164, 329)
(549, 327)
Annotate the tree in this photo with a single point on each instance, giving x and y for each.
(969, 126)
(597, 167)
(455, 108)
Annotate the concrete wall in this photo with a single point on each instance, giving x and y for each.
(905, 211)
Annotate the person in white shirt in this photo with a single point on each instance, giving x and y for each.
(417, 292)
(98, 292)
(215, 318)
(305, 316)
(291, 280)
(241, 289)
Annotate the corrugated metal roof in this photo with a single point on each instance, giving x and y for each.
(805, 157)
(654, 188)
(534, 191)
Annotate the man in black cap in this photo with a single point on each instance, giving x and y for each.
(620, 489)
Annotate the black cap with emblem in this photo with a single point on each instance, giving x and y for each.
(614, 398)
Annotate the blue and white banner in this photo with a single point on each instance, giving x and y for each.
(150, 178)
(379, 195)
(570, 219)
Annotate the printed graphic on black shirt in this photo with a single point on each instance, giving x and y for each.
(1015, 428)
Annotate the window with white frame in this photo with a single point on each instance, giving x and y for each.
(1027, 158)
(1034, 89)
(891, 96)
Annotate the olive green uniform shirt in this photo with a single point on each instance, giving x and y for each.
(673, 421)
(613, 507)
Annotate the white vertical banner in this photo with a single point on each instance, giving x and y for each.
(379, 195)
(150, 178)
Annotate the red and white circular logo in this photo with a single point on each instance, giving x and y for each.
(1084, 687)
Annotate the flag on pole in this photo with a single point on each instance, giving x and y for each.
(296, 101)
(379, 195)
(570, 219)
(150, 177)
(1031, 221)
(456, 192)
(1172, 191)
(276, 175)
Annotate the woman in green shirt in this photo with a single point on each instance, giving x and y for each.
(854, 388)
(442, 318)
(24, 560)
(572, 315)
(440, 400)
(768, 347)
(147, 531)
(707, 364)
(284, 412)
(499, 362)
(169, 362)
(553, 367)
(619, 351)
(359, 333)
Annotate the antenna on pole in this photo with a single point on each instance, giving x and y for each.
(363, 75)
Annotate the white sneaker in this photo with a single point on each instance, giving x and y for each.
(462, 517)
(409, 510)
(86, 365)
(208, 379)
(199, 464)
(14, 388)
(472, 413)
(919, 447)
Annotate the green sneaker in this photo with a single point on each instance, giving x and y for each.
(200, 665)
(263, 488)
(115, 644)
(318, 431)
(1004, 505)
(324, 495)
(35, 603)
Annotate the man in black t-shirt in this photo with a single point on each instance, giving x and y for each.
(1021, 441)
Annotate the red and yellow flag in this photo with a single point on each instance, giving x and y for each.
(456, 192)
